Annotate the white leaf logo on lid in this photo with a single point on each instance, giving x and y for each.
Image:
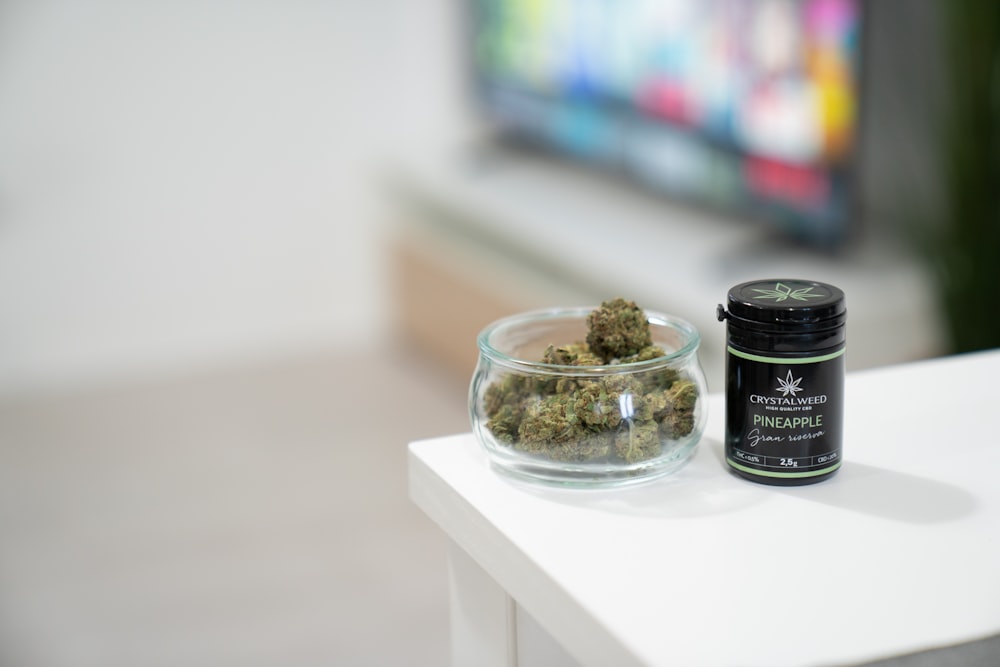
(782, 292)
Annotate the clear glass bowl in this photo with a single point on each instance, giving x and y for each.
(584, 425)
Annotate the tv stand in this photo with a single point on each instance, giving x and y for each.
(492, 233)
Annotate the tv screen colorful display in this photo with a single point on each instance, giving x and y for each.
(751, 106)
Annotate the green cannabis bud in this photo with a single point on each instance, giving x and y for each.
(617, 329)
(597, 417)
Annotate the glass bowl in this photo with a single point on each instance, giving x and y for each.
(585, 425)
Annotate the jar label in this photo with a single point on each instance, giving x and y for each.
(784, 416)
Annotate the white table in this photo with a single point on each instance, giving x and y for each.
(899, 553)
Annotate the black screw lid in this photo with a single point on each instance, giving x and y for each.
(785, 305)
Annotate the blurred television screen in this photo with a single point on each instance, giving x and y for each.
(750, 106)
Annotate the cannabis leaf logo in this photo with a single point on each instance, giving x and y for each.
(782, 292)
(790, 385)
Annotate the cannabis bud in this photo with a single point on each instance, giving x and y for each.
(599, 416)
(618, 329)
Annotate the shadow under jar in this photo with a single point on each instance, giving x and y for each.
(586, 425)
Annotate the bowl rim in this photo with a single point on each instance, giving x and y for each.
(692, 339)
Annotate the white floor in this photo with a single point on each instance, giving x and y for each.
(254, 516)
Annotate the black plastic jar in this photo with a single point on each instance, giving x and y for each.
(784, 380)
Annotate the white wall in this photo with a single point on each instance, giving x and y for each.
(189, 182)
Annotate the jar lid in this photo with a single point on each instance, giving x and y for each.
(787, 303)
